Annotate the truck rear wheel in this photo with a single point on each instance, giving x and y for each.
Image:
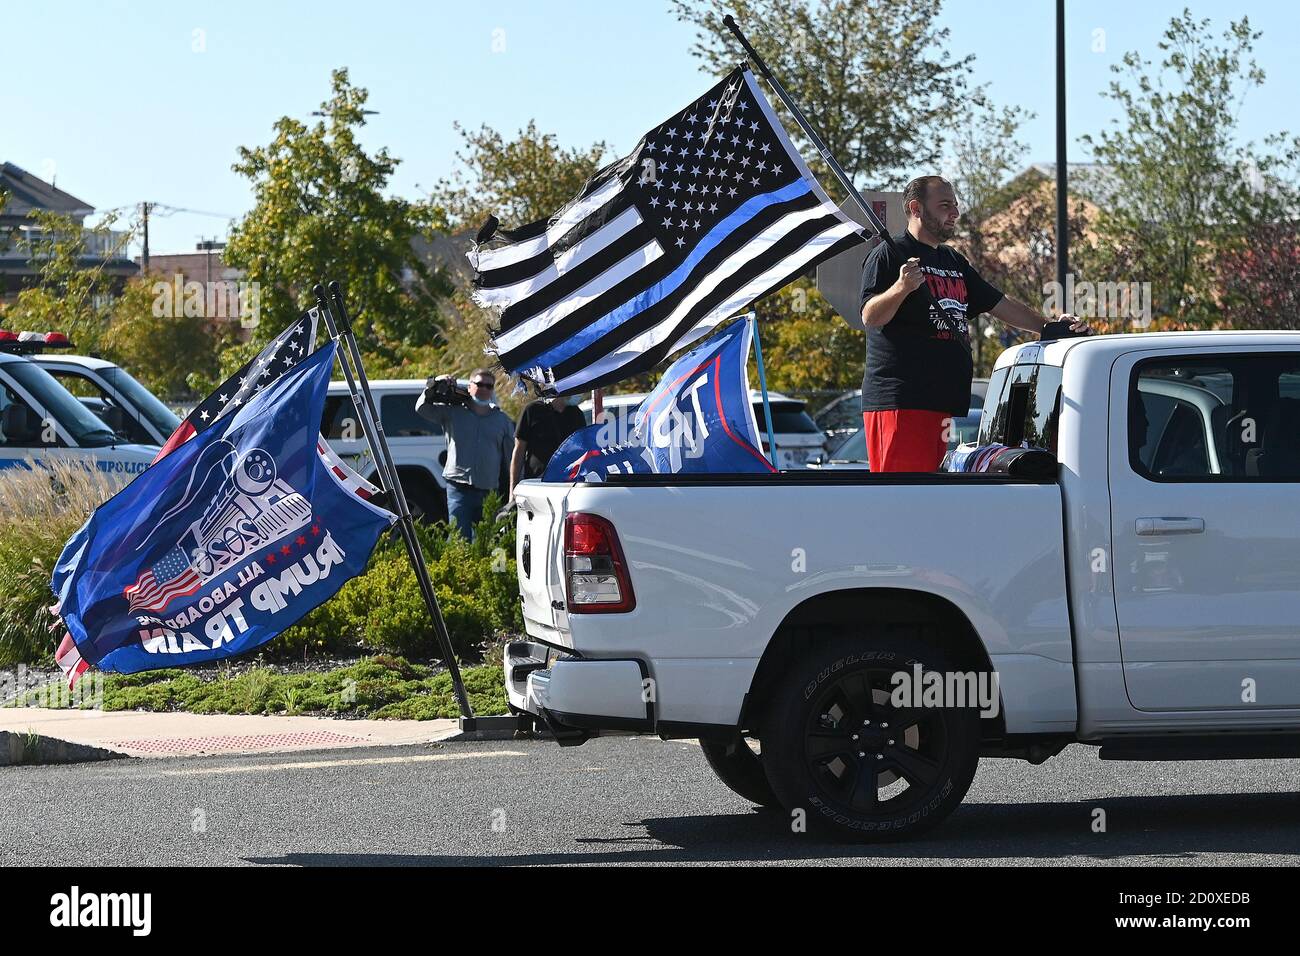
(741, 770)
(864, 769)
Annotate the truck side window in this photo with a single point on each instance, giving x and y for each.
(401, 419)
(993, 407)
(340, 420)
(1207, 419)
(1043, 411)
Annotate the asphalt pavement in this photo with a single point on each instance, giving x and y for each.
(614, 801)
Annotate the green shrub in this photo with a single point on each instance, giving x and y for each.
(42, 509)
(380, 687)
(381, 609)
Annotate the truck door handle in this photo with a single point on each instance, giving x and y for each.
(1160, 526)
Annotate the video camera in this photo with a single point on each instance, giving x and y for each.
(446, 391)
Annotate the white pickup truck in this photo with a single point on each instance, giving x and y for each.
(847, 645)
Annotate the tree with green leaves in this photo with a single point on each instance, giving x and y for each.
(872, 76)
(167, 351)
(321, 211)
(1183, 197)
(68, 295)
(519, 181)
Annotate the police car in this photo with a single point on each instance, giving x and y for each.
(109, 391)
(41, 421)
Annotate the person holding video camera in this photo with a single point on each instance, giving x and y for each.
(480, 440)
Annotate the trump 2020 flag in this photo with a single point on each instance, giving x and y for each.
(712, 210)
(280, 354)
(222, 544)
(699, 418)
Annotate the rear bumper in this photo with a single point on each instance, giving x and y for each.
(579, 695)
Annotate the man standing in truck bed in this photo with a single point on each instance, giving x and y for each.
(919, 367)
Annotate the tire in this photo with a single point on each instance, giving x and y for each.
(425, 499)
(741, 770)
(840, 754)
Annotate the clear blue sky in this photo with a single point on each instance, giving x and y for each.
(123, 101)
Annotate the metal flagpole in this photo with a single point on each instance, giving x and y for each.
(364, 403)
(730, 23)
(762, 383)
(823, 150)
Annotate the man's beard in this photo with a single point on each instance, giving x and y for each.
(935, 227)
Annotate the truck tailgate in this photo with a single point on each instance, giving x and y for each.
(539, 547)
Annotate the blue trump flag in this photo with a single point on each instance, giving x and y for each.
(699, 418)
(222, 544)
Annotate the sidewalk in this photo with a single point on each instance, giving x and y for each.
(144, 734)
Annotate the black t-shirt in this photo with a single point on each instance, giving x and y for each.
(542, 429)
(921, 358)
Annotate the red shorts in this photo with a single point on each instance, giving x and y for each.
(906, 439)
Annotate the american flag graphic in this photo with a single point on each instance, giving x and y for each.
(159, 585)
(713, 210)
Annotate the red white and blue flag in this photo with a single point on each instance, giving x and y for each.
(172, 577)
(699, 418)
(222, 544)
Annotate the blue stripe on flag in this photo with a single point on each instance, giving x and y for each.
(669, 284)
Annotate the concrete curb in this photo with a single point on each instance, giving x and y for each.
(16, 750)
(149, 734)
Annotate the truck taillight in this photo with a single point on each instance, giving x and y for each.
(596, 578)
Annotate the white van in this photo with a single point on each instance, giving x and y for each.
(42, 421)
(798, 439)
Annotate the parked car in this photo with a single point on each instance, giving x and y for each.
(843, 416)
(852, 451)
(42, 422)
(1141, 599)
(798, 439)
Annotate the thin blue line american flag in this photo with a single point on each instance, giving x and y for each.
(714, 209)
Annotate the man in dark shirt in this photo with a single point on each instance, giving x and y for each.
(543, 426)
(919, 367)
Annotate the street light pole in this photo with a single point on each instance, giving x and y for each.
(1062, 178)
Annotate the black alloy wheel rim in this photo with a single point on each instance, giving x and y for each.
(858, 745)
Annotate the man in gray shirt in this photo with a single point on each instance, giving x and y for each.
(480, 438)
